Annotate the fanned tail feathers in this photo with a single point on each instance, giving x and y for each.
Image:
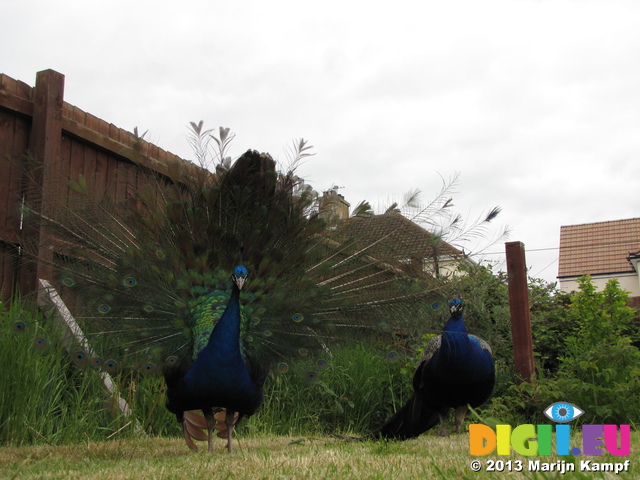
(149, 276)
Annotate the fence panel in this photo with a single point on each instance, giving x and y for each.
(69, 142)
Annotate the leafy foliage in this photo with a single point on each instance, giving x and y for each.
(586, 357)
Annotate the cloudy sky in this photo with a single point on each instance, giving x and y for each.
(535, 103)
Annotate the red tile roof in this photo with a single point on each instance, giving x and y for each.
(406, 236)
(598, 248)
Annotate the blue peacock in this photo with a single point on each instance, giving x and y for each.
(455, 370)
(218, 279)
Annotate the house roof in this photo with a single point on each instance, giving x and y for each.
(598, 248)
(406, 236)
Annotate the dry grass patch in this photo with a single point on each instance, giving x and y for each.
(263, 458)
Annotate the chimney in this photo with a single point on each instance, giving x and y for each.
(334, 209)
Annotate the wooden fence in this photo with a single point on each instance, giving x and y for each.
(37, 122)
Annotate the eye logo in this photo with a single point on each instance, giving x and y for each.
(562, 412)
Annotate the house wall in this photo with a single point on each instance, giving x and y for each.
(629, 282)
(447, 267)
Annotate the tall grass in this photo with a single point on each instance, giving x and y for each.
(41, 397)
(45, 398)
(355, 394)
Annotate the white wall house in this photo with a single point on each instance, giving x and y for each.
(603, 250)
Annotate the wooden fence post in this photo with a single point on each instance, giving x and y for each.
(519, 308)
(44, 145)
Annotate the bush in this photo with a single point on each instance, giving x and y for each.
(588, 360)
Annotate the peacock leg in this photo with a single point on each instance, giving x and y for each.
(461, 412)
(211, 422)
(443, 425)
(230, 421)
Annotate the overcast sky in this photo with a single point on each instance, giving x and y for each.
(536, 104)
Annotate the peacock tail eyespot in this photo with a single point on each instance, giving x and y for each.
(68, 282)
(171, 361)
(255, 321)
(111, 366)
(96, 362)
(129, 282)
(435, 306)
(311, 377)
(297, 317)
(79, 358)
(19, 327)
(303, 352)
(322, 364)
(282, 368)
(393, 357)
(148, 368)
(148, 309)
(160, 254)
(40, 343)
(383, 327)
(267, 333)
(104, 308)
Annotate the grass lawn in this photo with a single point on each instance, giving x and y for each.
(263, 457)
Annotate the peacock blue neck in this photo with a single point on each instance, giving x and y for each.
(455, 340)
(455, 324)
(225, 337)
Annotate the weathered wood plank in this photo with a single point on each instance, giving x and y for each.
(76, 160)
(79, 115)
(520, 310)
(7, 270)
(91, 153)
(7, 199)
(14, 103)
(24, 90)
(8, 84)
(109, 144)
(13, 144)
(15, 95)
(44, 143)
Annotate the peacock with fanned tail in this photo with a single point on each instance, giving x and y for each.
(455, 370)
(218, 279)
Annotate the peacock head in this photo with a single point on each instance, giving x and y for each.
(239, 276)
(456, 307)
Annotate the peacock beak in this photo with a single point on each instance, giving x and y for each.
(455, 307)
(240, 281)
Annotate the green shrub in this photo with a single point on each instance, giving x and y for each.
(587, 339)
